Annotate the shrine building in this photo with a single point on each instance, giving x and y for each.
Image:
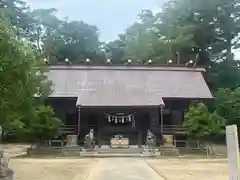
(126, 99)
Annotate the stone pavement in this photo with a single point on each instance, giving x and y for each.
(123, 169)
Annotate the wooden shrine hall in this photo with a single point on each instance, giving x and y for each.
(126, 100)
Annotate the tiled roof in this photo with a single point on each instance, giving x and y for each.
(127, 85)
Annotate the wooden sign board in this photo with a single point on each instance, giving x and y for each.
(233, 152)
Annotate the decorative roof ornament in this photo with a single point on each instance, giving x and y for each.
(169, 61)
(129, 61)
(149, 61)
(88, 61)
(108, 61)
(189, 63)
(45, 60)
(67, 61)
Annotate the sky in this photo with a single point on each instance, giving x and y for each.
(110, 16)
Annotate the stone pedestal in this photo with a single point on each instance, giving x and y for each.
(168, 141)
(72, 140)
(7, 174)
(3, 173)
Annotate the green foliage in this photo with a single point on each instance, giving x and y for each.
(57, 39)
(22, 80)
(15, 74)
(42, 127)
(201, 124)
(16, 12)
(224, 74)
(227, 105)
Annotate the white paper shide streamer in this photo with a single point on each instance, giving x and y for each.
(121, 118)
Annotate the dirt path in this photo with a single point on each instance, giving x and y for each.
(191, 169)
(122, 168)
(52, 169)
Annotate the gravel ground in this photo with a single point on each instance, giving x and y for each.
(13, 149)
(119, 168)
(123, 169)
(79, 169)
(190, 169)
(51, 169)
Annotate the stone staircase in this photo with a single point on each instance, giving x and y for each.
(169, 151)
(106, 151)
(130, 150)
(71, 151)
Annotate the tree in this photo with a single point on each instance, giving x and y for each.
(45, 24)
(214, 28)
(156, 37)
(216, 25)
(21, 78)
(201, 124)
(227, 105)
(224, 74)
(43, 127)
(16, 12)
(58, 39)
(114, 50)
(53, 38)
(79, 41)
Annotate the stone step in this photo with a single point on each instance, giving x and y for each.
(99, 155)
(168, 151)
(119, 150)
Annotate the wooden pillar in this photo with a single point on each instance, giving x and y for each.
(161, 119)
(140, 139)
(99, 132)
(79, 120)
(161, 111)
(99, 137)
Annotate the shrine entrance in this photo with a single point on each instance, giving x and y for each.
(120, 129)
(129, 125)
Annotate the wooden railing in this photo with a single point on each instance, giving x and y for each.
(167, 129)
(173, 129)
(72, 129)
(69, 129)
(192, 144)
